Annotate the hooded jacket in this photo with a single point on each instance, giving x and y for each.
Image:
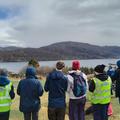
(102, 77)
(56, 85)
(71, 83)
(5, 81)
(29, 90)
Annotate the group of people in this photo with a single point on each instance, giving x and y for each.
(75, 83)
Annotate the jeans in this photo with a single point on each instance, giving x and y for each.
(76, 109)
(31, 116)
(56, 113)
(4, 115)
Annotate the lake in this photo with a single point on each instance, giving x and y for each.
(17, 66)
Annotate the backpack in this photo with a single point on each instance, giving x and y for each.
(79, 85)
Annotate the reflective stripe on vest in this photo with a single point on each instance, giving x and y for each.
(5, 100)
(102, 93)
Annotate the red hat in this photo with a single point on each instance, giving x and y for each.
(76, 65)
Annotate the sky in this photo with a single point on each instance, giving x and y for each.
(36, 23)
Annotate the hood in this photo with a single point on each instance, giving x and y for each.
(102, 76)
(56, 74)
(77, 72)
(118, 63)
(30, 72)
(4, 81)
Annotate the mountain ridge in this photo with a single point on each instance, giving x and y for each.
(62, 50)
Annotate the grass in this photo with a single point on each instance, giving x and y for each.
(17, 115)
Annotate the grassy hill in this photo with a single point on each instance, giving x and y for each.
(63, 50)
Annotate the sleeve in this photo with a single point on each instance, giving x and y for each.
(40, 89)
(66, 83)
(46, 87)
(12, 93)
(115, 75)
(91, 86)
(70, 83)
(18, 88)
(85, 77)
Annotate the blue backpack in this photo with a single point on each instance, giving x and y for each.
(79, 87)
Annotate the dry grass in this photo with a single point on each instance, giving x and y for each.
(16, 115)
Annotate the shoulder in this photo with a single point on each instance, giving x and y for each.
(69, 77)
(84, 75)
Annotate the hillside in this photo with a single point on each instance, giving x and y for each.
(62, 50)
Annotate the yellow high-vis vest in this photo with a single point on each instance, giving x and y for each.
(5, 100)
(102, 92)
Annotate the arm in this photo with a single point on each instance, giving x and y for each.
(12, 94)
(40, 89)
(46, 87)
(70, 83)
(91, 86)
(18, 88)
(66, 83)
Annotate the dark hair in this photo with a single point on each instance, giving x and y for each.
(33, 63)
(60, 65)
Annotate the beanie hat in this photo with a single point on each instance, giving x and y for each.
(99, 68)
(118, 63)
(60, 65)
(76, 65)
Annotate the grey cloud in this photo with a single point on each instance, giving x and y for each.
(47, 21)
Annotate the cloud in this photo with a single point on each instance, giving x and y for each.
(42, 22)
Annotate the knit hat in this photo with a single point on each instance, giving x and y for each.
(99, 68)
(60, 65)
(76, 65)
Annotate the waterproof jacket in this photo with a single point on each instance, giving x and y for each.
(5, 81)
(102, 77)
(56, 84)
(30, 90)
(117, 79)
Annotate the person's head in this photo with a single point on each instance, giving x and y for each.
(75, 65)
(3, 72)
(99, 69)
(31, 71)
(60, 65)
(34, 63)
(118, 63)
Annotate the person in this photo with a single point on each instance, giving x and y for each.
(111, 72)
(34, 63)
(76, 104)
(6, 95)
(29, 90)
(56, 84)
(100, 86)
(117, 79)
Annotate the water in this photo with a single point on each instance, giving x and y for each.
(17, 66)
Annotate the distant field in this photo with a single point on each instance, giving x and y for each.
(16, 115)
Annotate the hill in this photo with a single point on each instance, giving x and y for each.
(61, 50)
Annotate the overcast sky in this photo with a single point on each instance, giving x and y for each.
(36, 23)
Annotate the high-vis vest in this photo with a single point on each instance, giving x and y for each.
(102, 93)
(5, 100)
